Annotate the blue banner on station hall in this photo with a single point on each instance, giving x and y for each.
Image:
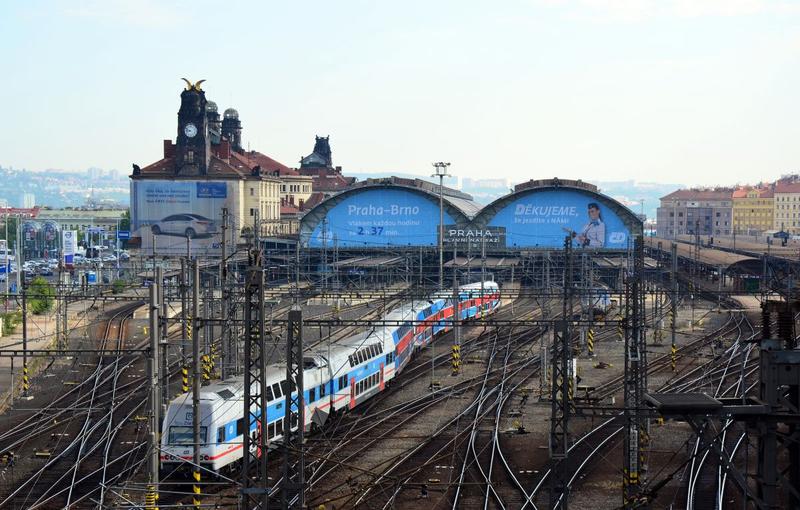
(543, 217)
(380, 217)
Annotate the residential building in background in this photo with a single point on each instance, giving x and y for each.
(706, 211)
(28, 200)
(753, 209)
(787, 202)
(82, 220)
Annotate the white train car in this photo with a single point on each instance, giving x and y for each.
(335, 379)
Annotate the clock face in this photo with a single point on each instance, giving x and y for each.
(190, 130)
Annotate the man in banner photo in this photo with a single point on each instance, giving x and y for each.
(593, 234)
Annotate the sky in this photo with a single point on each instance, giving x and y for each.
(700, 92)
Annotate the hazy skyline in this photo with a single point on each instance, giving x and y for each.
(692, 91)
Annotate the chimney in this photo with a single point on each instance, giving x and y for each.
(169, 149)
(225, 149)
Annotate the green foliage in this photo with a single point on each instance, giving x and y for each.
(11, 235)
(9, 322)
(117, 286)
(40, 296)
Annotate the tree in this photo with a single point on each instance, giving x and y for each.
(40, 296)
(11, 235)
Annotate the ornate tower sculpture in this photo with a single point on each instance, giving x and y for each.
(232, 128)
(193, 145)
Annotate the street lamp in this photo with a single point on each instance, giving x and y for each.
(441, 173)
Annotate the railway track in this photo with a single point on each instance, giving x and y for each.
(80, 422)
(597, 441)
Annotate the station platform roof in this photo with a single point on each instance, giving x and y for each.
(756, 245)
(731, 262)
(475, 262)
(377, 261)
(617, 262)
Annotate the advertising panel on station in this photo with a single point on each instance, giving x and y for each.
(476, 238)
(69, 245)
(542, 218)
(380, 217)
(169, 214)
(5, 259)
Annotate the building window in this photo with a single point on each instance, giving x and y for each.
(252, 211)
(252, 191)
(190, 156)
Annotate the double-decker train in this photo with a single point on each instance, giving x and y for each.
(337, 378)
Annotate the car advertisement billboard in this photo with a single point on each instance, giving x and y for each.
(173, 216)
(542, 218)
(380, 217)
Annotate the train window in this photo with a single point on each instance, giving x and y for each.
(312, 395)
(276, 390)
(350, 359)
(285, 387)
(221, 435)
(279, 427)
(271, 430)
(270, 396)
(343, 381)
(240, 426)
(293, 421)
(322, 390)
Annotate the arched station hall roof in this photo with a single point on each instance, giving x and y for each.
(539, 212)
(372, 200)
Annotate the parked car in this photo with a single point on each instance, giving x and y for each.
(189, 225)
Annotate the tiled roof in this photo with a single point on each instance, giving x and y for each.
(766, 193)
(313, 200)
(268, 164)
(289, 209)
(787, 187)
(700, 194)
(328, 183)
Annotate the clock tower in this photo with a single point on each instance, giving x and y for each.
(193, 145)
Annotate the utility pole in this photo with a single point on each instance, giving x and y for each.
(162, 343)
(186, 334)
(635, 376)
(560, 391)
(196, 383)
(456, 348)
(673, 304)
(441, 173)
(223, 283)
(25, 381)
(294, 477)
(155, 401)
(20, 258)
(255, 490)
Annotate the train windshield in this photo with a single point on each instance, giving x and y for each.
(185, 435)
